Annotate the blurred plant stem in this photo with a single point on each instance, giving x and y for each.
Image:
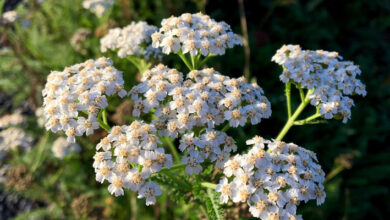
(133, 206)
(173, 149)
(245, 41)
(208, 185)
(334, 172)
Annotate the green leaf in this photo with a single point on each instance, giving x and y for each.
(214, 210)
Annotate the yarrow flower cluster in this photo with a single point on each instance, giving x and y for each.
(127, 157)
(332, 79)
(74, 97)
(8, 17)
(273, 182)
(11, 120)
(206, 99)
(62, 148)
(13, 138)
(213, 145)
(194, 34)
(134, 39)
(98, 7)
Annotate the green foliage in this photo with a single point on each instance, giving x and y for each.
(357, 29)
(214, 210)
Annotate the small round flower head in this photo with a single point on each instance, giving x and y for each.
(8, 17)
(61, 148)
(205, 99)
(11, 120)
(134, 39)
(331, 79)
(78, 39)
(273, 182)
(212, 145)
(194, 34)
(98, 7)
(127, 157)
(80, 88)
(13, 138)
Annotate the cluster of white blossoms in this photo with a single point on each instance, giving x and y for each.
(213, 145)
(61, 148)
(332, 79)
(98, 7)
(205, 99)
(127, 157)
(134, 39)
(11, 120)
(273, 182)
(194, 34)
(8, 17)
(14, 138)
(74, 97)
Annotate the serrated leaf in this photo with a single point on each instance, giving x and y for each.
(214, 210)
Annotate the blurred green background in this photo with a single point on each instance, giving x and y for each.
(357, 154)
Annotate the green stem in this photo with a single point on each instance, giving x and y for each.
(291, 120)
(308, 119)
(301, 93)
(197, 60)
(203, 62)
(208, 185)
(333, 173)
(226, 127)
(288, 98)
(193, 62)
(104, 116)
(173, 149)
(184, 59)
(102, 119)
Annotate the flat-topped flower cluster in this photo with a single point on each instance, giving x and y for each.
(14, 138)
(128, 156)
(11, 120)
(194, 34)
(74, 97)
(332, 79)
(273, 178)
(98, 7)
(62, 148)
(134, 39)
(205, 99)
(213, 145)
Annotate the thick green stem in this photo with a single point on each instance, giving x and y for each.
(288, 98)
(208, 185)
(291, 120)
